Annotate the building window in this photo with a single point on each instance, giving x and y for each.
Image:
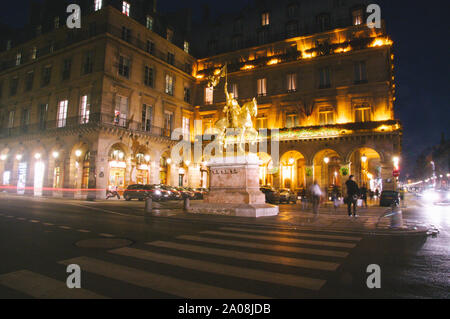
(34, 53)
(61, 118)
(147, 117)
(187, 94)
(169, 35)
(56, 22)
(67, 66)
(265, 19)
(357, 17)
(263, 36)
(168, 123)
(169, 84)
(18, 58)
(326, 116)
(46, 75)
(13, 87)
(360, 72)
(234, 90)
(323, 22)
(262, 87)
(25, 119)
(291, 29)
(148, 76)
(170, 58)
(121, 111)
(186, 128)
(150, 46)
(124, 66)
(362, 113)
(324, 78)
(237, 42)
(292, 82)
(88, 62)
(98, 5)
(126, 34)
(188, 68)
(186, 47)
(261, 122)
(292, 10)
(209, 95)
(126, 8)
(149, 23)
(43, 109)
(84, 109)
(292, 120)
(11, 116)
(29, 81)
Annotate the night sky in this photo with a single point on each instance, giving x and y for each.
(420, 31)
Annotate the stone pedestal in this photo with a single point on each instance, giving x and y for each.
(234, 189)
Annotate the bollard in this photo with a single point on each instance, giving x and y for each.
(187, 203)
(396, 218)
(148, 205)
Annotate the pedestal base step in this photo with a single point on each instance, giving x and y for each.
(238, 210)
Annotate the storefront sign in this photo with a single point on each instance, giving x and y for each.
(117, 164)
(224, 171)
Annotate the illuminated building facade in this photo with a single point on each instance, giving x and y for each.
(321, 76)
(92, 108)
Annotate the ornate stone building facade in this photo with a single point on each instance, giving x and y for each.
(82, 110)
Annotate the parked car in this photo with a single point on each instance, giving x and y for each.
(157, 194)
(200, 192)
(287, 196)
(174, 194)
(136, 191)
(272, 195)
(389, 198)
(186, 192)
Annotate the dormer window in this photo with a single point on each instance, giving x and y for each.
(18, 58)
(265, 19)
(357, 17)
(186, 47)
(149, 23)
(169, 35)
(126, 8)
(98, 5)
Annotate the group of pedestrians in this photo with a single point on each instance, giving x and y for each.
(353, 194)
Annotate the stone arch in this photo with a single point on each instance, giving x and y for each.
(371, 146)
(327, 165)
(292, 170)
(365, 165)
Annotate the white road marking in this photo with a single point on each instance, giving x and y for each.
(283, 239)
(177, 287)
(83, 231)
(42, 287)
(106, 235)
(296, 262)
(278, 248)
(293, 234)
(48, 224)
(223, 269)
(34, 221)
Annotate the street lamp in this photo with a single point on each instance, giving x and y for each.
(18, 157)
(364, 158)
(187, 162)
(37, 156)
(291, 161)
(55, 155)
(169, 160)
(147, 158)
(78, 153)
(326, 160)
(3, 157)
(396, 160)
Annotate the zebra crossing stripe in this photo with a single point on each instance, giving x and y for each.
(166, 284)
(277, 248)
(292, 234)
(283, 239)
(287, 261)
(42, 287)
(223, 269)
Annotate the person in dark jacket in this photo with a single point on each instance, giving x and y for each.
(363, 192)
(352, 195)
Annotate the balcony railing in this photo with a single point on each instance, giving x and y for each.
(79, 122)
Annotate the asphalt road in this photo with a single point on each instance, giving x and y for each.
(172, 258)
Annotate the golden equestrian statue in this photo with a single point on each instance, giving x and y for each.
(236, 117)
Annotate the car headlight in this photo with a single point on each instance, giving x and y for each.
(448, 195)
(158, 192)
(431, 196)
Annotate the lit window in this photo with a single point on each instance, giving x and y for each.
(11, 119)
(149, 23)
(234, 90)
(262, 87)
(168, 123)
(362, 114)
(265, 19)
(186, 46)
(169, 84)
(209, 95)
(84, 110)
(126, 8)
(62, 113)
(186, 128)
(18, 58)
(98, 5)
(147, 117)
(124, 66)
(357, 17)
(34, 53)
(261, 122)
(291, 120)
(326, 117)
(292, 82)
(121, 111)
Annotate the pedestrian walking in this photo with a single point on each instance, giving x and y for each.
(363, 194)
(316, 193)
(352, 195)
(304, 199)
(335, 198)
